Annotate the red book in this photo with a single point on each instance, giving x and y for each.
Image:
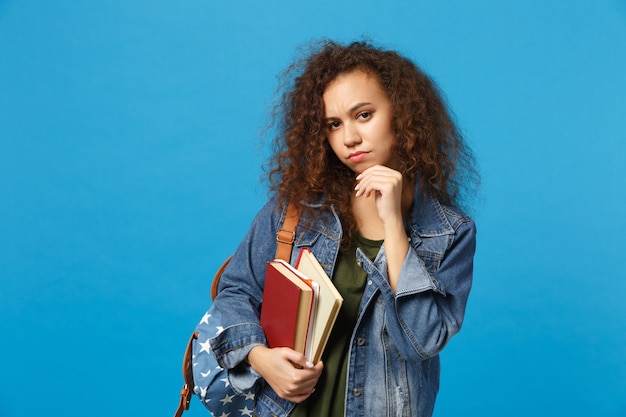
(286, 308)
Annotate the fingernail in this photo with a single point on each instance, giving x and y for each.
(309, 364)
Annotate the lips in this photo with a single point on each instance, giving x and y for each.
(357, 156)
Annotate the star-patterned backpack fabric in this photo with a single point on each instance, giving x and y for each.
(210, 380)
(203, 376)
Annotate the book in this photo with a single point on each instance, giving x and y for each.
(308, 346)
(329, 304)
(289, 299)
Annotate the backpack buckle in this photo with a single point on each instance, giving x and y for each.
(286, 236)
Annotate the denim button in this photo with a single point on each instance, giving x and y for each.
(360, 341)
(359, 263)
(357, 392)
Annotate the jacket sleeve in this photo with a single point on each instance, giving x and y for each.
(239, 299)
(429, 304)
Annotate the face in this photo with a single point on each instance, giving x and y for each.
(358, 121)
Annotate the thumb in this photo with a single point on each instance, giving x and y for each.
(299, 360)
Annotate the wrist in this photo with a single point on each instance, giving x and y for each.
(253, 356)
(394, 231)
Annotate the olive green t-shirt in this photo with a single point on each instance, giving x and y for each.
(329, 396)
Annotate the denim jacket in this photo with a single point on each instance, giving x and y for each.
(393, 365)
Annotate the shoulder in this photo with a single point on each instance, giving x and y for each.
(270, 214)
(438, 231)
(429, 217)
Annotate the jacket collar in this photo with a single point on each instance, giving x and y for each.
(427, 216)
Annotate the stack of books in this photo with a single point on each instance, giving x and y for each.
(300, 305)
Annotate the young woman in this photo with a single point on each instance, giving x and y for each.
(369, 155)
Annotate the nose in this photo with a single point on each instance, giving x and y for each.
(351, 135)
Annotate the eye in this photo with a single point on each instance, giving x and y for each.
(364, 115)
(333, 125)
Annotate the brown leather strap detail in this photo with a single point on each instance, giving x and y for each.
(186, 391)
(286, 235)
(216, 279)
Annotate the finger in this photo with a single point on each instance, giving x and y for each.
(378, 174)
(298, 389)
(306, 379)
(385, 185)
(312, 374)
(297, 358)
(386, 175)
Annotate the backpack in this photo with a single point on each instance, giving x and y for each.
(202, 375)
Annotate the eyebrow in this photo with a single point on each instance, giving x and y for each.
(351, 109)
(359, 105)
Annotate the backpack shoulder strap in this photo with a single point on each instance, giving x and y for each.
(285, 237)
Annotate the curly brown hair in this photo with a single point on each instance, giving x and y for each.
(429, 147)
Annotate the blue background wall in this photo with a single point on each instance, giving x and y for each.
(130, 163)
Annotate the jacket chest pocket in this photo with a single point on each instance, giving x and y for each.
(431, 250)
(432, 260)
